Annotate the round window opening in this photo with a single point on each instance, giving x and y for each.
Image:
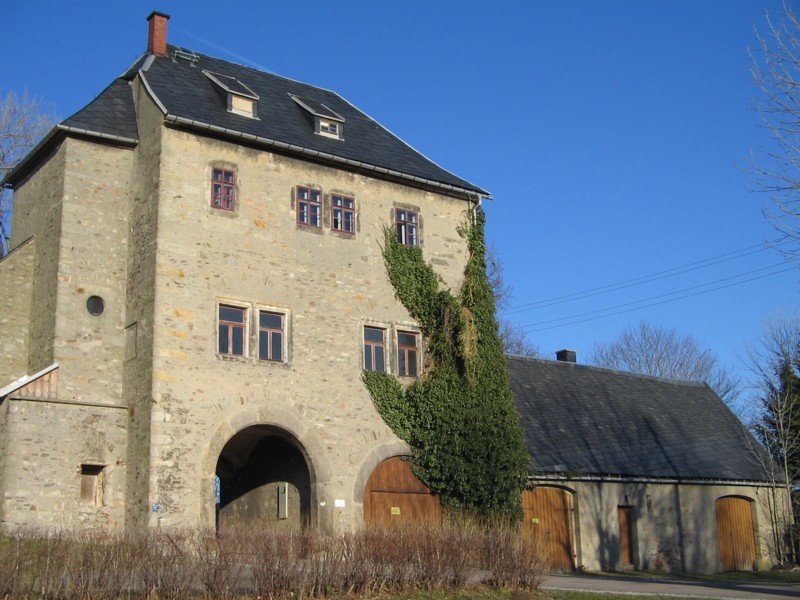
(95, 305)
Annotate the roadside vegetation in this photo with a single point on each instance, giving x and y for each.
(239, 564)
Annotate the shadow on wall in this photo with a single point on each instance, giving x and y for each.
(263, 478)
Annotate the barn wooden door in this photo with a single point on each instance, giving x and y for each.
(394, 495)
(625, 535)
(737, 546)
(548, 519)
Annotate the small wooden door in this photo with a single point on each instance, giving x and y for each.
(394, 495)
(625, 535)
(737, 544)
(548, 520)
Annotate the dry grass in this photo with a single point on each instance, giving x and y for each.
(264, 564)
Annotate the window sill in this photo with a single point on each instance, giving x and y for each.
(252, 360)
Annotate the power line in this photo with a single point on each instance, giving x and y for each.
(604, 289)
(630, 304)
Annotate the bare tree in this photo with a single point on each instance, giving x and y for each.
(515, 340)
(24, 120)
(663, 352)
(776, 73)
(775, 361)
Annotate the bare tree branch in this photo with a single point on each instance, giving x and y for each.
(515, 339)
(775, 67)
(663, 352)
(24, 120)
(775, 361)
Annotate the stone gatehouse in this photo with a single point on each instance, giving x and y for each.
(199, 283)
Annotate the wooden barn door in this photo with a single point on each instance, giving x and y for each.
(737, 546)
(394, 495)
(548, 518)
(625, 535)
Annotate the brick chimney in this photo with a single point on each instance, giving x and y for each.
(567, 356)
(157, 33)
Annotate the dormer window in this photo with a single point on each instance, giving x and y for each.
(326, 121)
(239, 99)
(330, 127)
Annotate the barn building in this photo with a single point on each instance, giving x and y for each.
(637, 472)
(197, 284)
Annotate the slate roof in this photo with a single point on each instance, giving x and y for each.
(192, 100)
(585, 420)
(111, 113)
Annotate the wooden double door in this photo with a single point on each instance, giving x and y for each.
(548, 521)
(737, 546)
(394, 495)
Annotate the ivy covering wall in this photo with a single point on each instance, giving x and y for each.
(458, 417)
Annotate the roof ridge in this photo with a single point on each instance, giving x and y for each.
(402, 141)
(566, 364)
(477, 189)
(251, 68)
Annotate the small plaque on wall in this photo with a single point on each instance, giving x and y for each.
(395, 510)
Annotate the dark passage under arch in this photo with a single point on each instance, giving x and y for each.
(264, 479)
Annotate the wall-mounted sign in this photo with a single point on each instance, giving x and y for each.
(395, 510)
(535, 520)
(339, 503)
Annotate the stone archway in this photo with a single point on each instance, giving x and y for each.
(288, 425)
(263, 479)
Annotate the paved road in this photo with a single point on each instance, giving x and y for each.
(671, 587)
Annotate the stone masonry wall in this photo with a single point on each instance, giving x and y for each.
(16, 283)
(83, 227)
(90, 348)
(327, 285)
(140, 298)
(673, 525)
(37, 211)
(48, 443)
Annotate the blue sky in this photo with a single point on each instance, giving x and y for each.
(616, 137)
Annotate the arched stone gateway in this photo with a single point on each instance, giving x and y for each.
(263, 478)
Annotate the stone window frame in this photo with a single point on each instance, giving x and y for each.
(417, 349)
(285, 313)
(222, 211)
(247, 308)
(386, 328)
(93, 483)
(297, 200)
(354, 210)
(419, 225)
(219, 200)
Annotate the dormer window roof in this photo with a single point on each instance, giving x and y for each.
(241, 100)
(327, 122)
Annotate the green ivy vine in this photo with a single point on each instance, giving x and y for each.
(458, 417)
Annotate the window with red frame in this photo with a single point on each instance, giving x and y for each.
(343, 214)
(309, 206)
(406, 354)
(270, 336)
(232, 330)
(406, 225)
(223, 189)
(374, 349)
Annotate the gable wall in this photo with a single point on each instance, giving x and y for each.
(328, 285)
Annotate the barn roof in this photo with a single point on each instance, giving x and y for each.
(585, 420)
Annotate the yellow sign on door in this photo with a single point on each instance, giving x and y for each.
(395, 510)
